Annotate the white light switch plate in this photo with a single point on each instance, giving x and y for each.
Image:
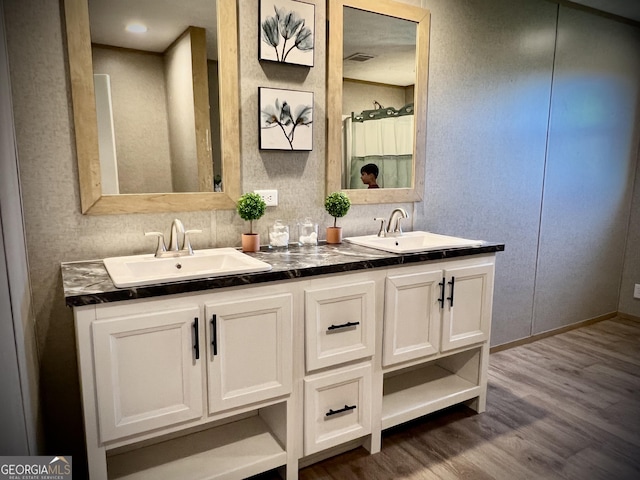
(636, 291)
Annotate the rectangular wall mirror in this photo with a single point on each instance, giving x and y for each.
(155, 100)
(377, 73)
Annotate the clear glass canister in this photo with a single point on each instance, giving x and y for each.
(278, 235)
(308, 232)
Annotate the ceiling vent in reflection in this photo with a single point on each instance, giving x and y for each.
(360, 57)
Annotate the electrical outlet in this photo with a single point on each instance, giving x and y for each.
(636, 291)
(270, 197)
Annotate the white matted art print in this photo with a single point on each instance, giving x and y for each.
(287, 31)
(286, 119)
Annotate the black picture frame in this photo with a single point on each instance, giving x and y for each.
(286, 32)
(285, 119)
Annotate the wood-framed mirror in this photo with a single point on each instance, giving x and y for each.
(387, 31)
(204, 197)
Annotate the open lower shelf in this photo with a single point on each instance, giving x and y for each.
(415, 393)
(235, 450)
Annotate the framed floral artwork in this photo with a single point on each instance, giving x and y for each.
(286, 119)
(287, 31)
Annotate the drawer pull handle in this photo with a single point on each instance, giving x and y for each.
(344, 325)
(196, 345)
(442, 287)
(214, 334)
(452, 283)
(335, 412)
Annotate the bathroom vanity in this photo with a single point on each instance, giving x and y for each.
(232, 376)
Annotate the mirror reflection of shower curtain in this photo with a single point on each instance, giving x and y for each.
(387, 142)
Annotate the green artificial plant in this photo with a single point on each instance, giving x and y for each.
(337, 204)
(251, 207)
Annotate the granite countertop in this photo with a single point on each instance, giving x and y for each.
(87, 282)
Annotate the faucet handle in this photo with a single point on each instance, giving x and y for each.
(161, 247)
(382, 232)
(186, 245)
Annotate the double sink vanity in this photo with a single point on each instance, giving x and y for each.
(275, 359)
(216, 364)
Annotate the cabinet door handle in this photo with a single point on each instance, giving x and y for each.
(335, 412)
(452, 283)
(442, 287)
(344, 325)
(196, 345)
(214, 334)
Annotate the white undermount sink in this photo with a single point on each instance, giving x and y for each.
(413, 242)
(139, 270)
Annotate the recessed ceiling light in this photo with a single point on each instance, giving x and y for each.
(136, 28)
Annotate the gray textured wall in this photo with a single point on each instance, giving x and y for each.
(491, 93)
(138, 92)
(590, 169)
(178, 72)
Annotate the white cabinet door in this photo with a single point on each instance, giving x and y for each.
(467, 312)
(249, 348)
(147, 373)
(412, 315)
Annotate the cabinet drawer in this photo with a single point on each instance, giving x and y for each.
(337, 407)
(340, 324)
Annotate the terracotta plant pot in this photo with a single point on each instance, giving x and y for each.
(250, 242)
(334, 234)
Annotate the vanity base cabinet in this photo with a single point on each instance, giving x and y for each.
(435, 348)
(149, 370)
(233, 382)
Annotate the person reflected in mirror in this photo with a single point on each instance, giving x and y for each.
(369, 175)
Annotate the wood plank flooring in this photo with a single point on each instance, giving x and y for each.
(564, 407)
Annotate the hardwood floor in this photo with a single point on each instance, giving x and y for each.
(564, 407)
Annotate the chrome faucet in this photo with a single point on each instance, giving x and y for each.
(177, 231)
(394, 228)
(179, 242)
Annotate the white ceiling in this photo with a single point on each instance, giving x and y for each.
(391, 41)
(165, 20)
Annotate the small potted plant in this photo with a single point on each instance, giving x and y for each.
(337, 204)
(251, 207)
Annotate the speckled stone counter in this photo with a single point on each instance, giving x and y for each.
(88, 282)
